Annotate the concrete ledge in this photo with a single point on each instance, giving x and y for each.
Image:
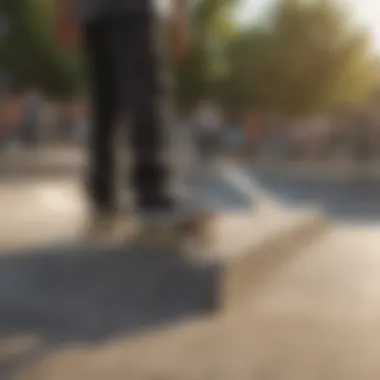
(320, 170)
(247, 271)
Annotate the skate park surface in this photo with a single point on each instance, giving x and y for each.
(289, 294)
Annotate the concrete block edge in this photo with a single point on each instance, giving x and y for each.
(247, 272)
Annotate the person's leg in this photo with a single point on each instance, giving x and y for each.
(101, 181)
(139, 70)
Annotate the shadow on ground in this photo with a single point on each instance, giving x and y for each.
(355, 200)
(81, 295)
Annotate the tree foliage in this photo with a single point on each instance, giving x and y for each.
(212, 28)
(307, 58)
(29, 52)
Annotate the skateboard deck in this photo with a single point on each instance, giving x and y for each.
(192, 233)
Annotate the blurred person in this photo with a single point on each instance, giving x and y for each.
(298, 137)
(340, 124)
(80, 124)
(316, 128)
(3, 120)
(363, 135)
(10, 122)
(274, 136)
(235, 138)
(208, 124)
(31, 117)
(252, 122)
(120, 47)
(67, 119)
(48, 122)
(325, 132)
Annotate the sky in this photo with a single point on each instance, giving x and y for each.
(364, 12)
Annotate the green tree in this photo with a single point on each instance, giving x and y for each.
(212, 28)
(308, 57)
(29, 52)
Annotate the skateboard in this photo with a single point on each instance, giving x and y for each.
(192, 232)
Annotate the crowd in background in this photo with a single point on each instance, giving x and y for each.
(28, 119)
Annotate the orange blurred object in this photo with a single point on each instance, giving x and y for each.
(67, 28)
(181, 42)
(10, 115)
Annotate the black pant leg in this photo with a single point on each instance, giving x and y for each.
(102, 168)
(141, 91)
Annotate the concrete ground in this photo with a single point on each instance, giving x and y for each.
(352, 199)
(317, 317)
(313, 315)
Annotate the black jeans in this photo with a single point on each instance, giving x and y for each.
(124, 73)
